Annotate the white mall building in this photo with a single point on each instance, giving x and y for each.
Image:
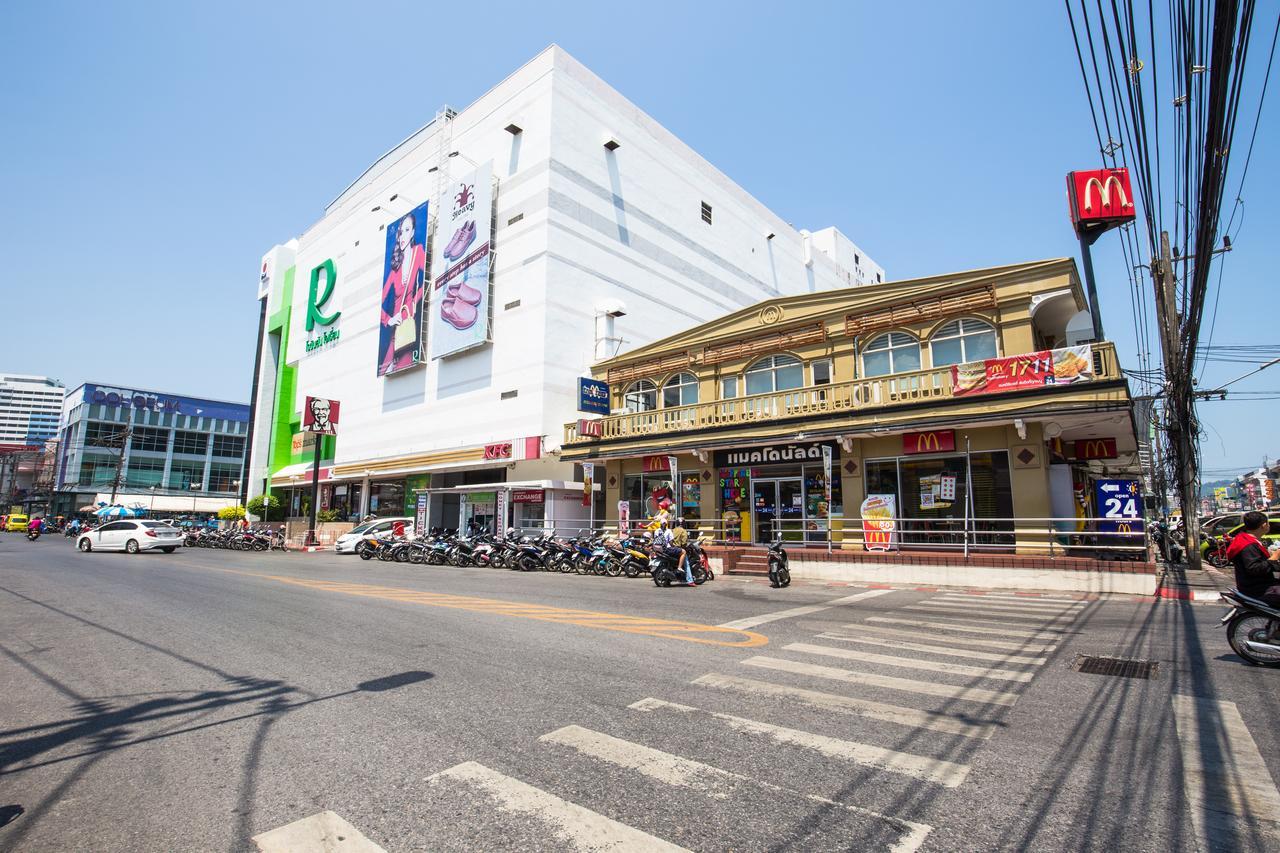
(608, 232)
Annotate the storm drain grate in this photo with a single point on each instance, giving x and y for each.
(1119, 667)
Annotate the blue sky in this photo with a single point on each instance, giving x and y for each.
(152, 153)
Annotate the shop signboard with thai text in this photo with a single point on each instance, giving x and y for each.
(1022, 372)
(794, 453)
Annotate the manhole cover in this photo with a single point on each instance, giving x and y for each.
(1119, 667)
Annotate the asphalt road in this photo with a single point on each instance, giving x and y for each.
(193, 701)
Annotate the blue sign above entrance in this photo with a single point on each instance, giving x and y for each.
(593, 396)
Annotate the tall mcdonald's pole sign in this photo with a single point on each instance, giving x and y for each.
(1099, 200)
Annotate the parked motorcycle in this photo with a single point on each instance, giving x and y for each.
(779, 572)
(1253, 629)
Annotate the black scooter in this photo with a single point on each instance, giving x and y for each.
(779, 574)
(33, 535)
(1253, 629)
(666, 568)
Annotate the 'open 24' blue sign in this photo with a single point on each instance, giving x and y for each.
(1119, 506)
(593, 396)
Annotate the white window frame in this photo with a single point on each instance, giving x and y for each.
(890, 348)
(727, 383)
(813, 371)
(635, 388)
(962, 335)
(681, 381)
(772, 370)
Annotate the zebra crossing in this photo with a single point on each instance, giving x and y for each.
(829, 742)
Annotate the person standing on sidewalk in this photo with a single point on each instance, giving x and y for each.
(1255, 566)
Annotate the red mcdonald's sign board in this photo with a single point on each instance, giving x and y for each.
(932, 441)
(1100, 199)
(1096, 448)
(655, 464)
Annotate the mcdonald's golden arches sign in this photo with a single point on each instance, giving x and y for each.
(930, 441)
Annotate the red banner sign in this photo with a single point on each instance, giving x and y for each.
(1021, 372)
(1095, 448)
(590, 428)
(933, 441)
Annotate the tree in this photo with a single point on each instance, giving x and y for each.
(267, 508)
(231, 513)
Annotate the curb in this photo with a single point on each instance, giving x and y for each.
(310, 549)
(1189, 594)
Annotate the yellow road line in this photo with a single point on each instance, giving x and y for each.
(693, 632)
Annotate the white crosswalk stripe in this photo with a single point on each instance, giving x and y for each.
(744, 624)
(949, 651)
(928, 688)
(1022, 617)
(981, 628)
(1004, 602)
(577, 827)
(948, 773)
(911, 663)
(997, 609)
(1229, 789)
(851, 705)
(321, 832)
(1009, 596)
(674, 770)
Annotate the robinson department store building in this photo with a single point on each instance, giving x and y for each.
(968, 388)
(450, 298)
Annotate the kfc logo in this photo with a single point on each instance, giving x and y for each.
(501, 450)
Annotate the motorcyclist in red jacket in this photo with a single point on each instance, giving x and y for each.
(1255, 566)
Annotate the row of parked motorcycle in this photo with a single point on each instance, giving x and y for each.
(252, 539)
(585, 554)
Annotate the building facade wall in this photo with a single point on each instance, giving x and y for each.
(577, 226)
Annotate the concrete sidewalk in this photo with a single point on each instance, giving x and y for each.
(1180, 582)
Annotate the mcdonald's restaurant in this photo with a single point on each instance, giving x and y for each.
(971, 413)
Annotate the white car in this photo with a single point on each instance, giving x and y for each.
(346, 543)
(131, 536)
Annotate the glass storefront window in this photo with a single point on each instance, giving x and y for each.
(144, 472)
(646, 493)
(929, 516)
(186, 475)
(386, 498)
(690, 498)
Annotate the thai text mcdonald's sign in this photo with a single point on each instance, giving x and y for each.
(932, 441)
(1095, 448)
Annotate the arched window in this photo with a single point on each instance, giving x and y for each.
(680, 390)
(963, 340)
(775, 373)
(641, 396)
(892, 352)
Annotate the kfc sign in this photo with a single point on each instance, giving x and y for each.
(502, 450)
(933, 441)
(1100, 199)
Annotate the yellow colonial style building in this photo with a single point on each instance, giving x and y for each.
(960, 406)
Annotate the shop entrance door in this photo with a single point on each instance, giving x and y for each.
(778, 505)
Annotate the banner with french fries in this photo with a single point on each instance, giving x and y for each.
(1020, 372)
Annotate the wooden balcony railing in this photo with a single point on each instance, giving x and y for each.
(862, 394)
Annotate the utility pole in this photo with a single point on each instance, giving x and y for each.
(1180, 408)
(123, 438)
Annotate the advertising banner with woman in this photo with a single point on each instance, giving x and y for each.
(460, 292)
(403, 291)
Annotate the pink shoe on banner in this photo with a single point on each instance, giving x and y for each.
(460, 315)
(468, 294)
